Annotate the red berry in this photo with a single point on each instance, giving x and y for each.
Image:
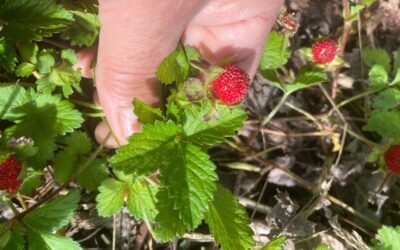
(392, 159)
(324, 51)
(231, 86)
(9, 171)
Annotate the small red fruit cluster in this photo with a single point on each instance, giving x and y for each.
(9, 171)
(392, 159)
(324, 51)
(231, 86)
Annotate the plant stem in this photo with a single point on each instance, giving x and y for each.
(13, 208)
(86, 104)
(276, 109)
(22, 201)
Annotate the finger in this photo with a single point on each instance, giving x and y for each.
(239, 37)
(85, 59)
(135, 37)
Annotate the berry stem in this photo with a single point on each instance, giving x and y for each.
(13, 208)
(276, 109)
(22, 201)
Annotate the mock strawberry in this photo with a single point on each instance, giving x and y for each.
(392, 159)
(231, 86)
(324, 51)
(9, 171)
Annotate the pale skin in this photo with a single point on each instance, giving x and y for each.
(136, 35)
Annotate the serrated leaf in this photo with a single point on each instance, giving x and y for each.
(372, 56)
(8, 56)
(55, 214)
(30, 183)
(378, 77)
(5, 235)
(84, 30)
(385, 123)
(69, 56)
(78, 142)
(45, 61)
(202, 129)
(169, 224)
(65, 164)
(396, 79)
(304, 79)
(144, 151)
(38, 240)
(42, 119)
(93, 175)
(197, 183)
(28, 51)
(174, 68)
(15, 242)
(110, 198)
(26, 20)
(11, 96)
(276, 53)
(142, 200)
(63, 76)
(275, 244)
(228, 221)
(25, 69)
(145, 113)
(387, 99)
(389, 238)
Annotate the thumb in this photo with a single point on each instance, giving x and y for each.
(135, 37)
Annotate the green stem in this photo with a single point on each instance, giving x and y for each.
(347, 101)
(276, 109)
(13, 208)
(95, 115)
(22, 201)
(86, 104)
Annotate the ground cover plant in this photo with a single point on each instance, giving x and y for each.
(307, 156)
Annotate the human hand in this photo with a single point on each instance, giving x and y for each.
(137, 35)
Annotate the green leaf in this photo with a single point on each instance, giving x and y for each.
(93, 175)
(84, 30)
(354, 11)
(69, 56)
(323, 247)
(55, 214)
(387, 99)
(385, 123)
(396, 79)
(378, 77)
(30, 183)
(111, 197)
(45, 61)
(8, 56)
(63, 76)
(65, 164)
(78, 142)
(372, 56)
(388, 238)
(42, 119)
(25, 69)
(142, 200)
(169, 224)
(145, 113)
(304, 79)
(28, 51)
(275, 244)
(145, 150)
(228, 221)
(15, 242)
(38, 240)
(5, 235)
(32, 19)
(396, 64)
(11, 96)
(203, 128)
(276, 52)
(174, 68)
(191, 180)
